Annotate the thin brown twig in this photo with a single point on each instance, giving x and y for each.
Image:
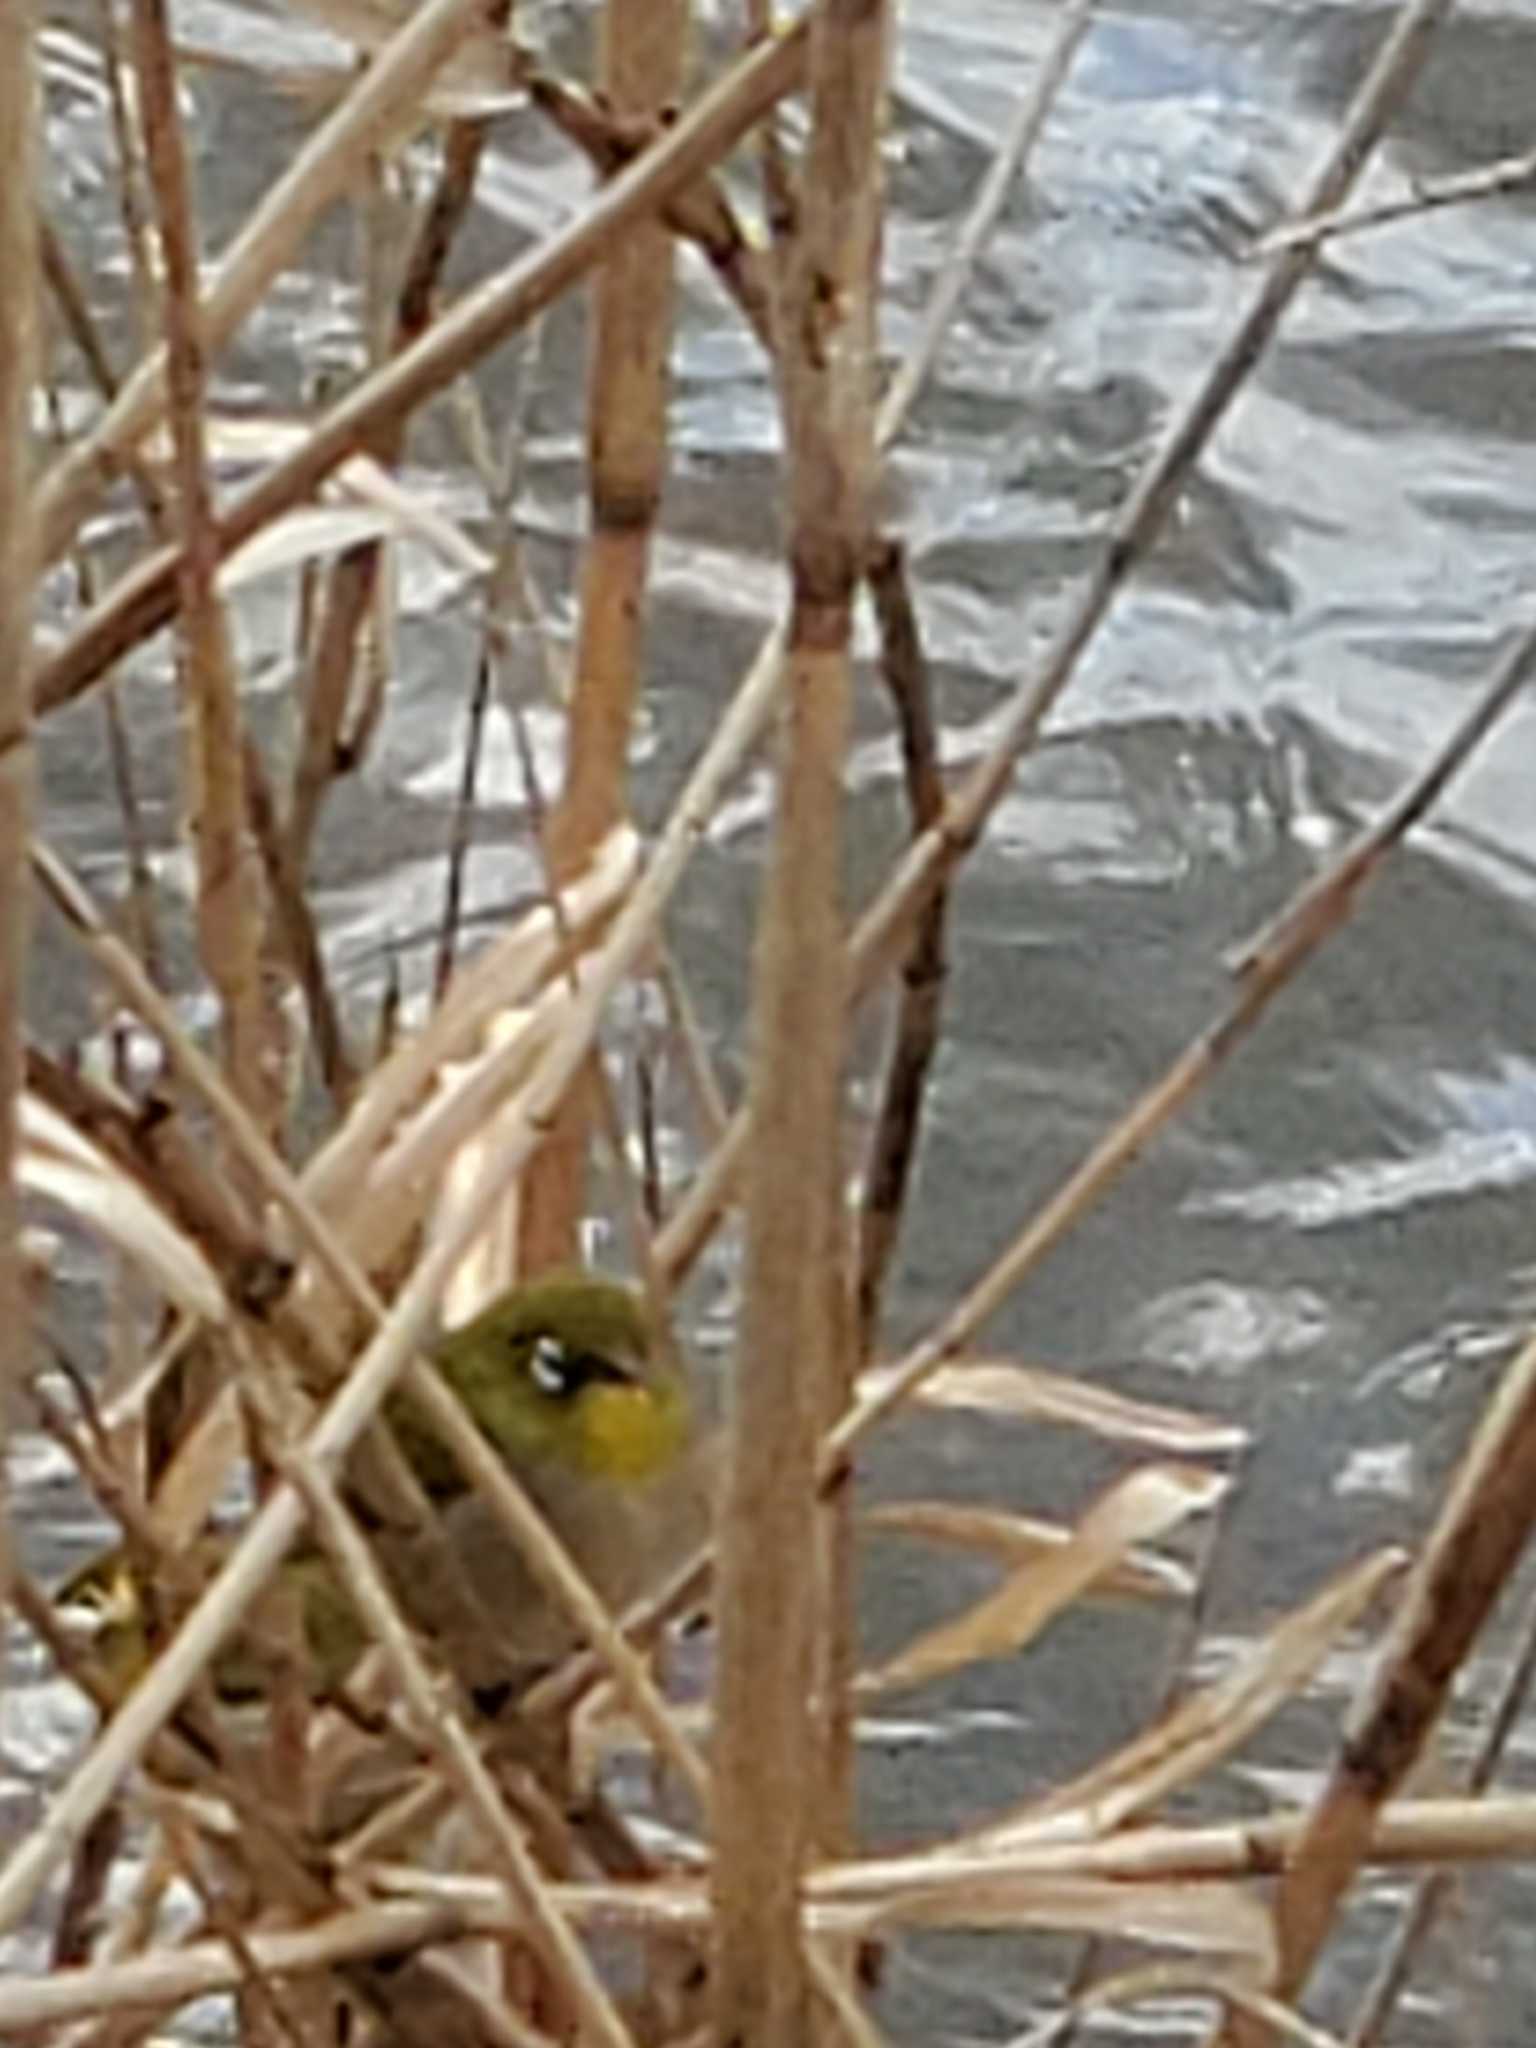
(294, 922)
(1007, 165)
(461, 831)
(893, 1147)
(1487, 181)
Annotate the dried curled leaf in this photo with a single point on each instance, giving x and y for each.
(1208, 1725)
(57, 1164)
(1017, 1539)
(1144, 1505)
(947, 1887)
(1033, 1393)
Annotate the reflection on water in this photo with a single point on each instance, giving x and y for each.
(1336, 1244)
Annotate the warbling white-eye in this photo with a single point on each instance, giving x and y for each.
(566, 1380)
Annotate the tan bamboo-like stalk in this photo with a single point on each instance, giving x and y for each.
(229, 898)
(18, 338)
(791, 1359)
(640, 69)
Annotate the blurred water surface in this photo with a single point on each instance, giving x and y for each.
(1335, 1246)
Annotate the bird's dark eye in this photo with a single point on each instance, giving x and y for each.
(561, 1373)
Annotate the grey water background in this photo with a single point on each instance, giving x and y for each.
(1334, 1246)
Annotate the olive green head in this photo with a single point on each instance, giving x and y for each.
(562, 1371)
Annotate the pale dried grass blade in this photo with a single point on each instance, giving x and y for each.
(1134, 1987)
(405, 1180)
(57, 1164)
(1211, 1723)
(365, 503)
(504, 976)
(1033, 1393)
(479, 78)
(1138, 1509)
(1140, 1575)
(1208, 1919)
(311, 533)
(198, 1472)
(490, 1264)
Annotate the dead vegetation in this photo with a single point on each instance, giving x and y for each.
(294, 1276)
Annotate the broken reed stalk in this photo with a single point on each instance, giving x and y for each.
(18, 361)
(229, 897)
(641, 55)
(792, 1356)
(1434, 1888)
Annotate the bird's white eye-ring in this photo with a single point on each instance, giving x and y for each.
(550, 1366)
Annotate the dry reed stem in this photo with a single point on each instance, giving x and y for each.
(18, 352)
(640, 69)
(229, 908)
(294, 922)
(144, 599)
(779, 1620)
(389, 92)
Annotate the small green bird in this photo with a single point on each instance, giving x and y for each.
(568, 1381)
